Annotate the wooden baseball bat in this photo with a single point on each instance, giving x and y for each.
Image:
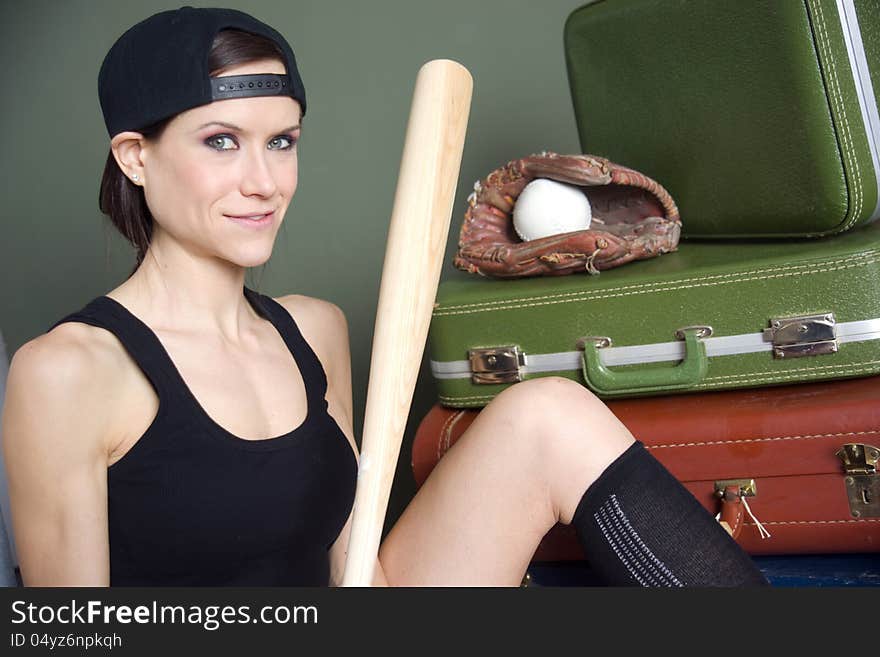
(414, 253)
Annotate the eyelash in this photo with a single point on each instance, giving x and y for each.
(212, 142)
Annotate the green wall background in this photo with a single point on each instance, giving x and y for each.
(358, 60)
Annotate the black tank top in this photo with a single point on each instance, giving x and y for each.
(191, 504)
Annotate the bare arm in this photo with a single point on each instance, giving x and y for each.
(325, 328)
(53, 428)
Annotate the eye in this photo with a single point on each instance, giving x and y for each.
(281, 143)
(222, 142)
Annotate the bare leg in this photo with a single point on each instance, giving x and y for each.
(521, 467)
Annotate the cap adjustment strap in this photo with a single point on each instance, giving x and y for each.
(242, 86)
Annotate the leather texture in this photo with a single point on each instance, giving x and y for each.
(734, 287)
(784, 438)
(868, 12)
(745, 111)
(733, 511)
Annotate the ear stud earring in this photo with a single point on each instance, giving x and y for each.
(135, 177)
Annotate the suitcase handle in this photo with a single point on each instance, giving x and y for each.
(690, 371)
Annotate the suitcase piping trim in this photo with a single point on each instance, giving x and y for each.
(854, 369)
(864, 93)
(856, 260)
(761, 439)
(836, 96)
(446, 437)
(813, 522)
(864, 86)
(658, 352)
(461, 369)
(446, 432)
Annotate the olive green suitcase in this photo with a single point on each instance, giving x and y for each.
(759, 117)
(713, 315)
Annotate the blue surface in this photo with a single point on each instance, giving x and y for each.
(837, 570)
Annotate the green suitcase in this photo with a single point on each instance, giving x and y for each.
(713, 315)
(760, 118)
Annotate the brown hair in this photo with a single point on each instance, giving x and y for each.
(123, 201)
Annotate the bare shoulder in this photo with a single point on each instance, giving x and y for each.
(55, 432)
(322, 323)
(54, 377)
(311, 312)
(71, 353)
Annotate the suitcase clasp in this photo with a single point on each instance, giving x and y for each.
(496, 364)
(804, 335)
(745, 487)
(861, 480)
(733, 494)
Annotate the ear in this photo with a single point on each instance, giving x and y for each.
(128, 149)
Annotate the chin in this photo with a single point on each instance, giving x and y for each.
(255, 262)
(252, 259)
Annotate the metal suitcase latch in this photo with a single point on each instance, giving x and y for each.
(862, 480)
(496, 364)
(805, 335)
(734, 507)
(746, 487)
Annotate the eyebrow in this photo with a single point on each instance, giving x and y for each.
(232, 126)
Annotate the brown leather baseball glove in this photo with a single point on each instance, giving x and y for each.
(634, 217)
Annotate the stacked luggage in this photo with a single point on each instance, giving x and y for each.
(748, 360)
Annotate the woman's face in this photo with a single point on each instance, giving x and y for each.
(219, 179)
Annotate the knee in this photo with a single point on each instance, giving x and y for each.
(563, 417)
(549, 400)
(566, 434)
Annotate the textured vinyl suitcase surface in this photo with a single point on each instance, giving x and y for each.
(803, 457)
(760, 118)
(711, 316)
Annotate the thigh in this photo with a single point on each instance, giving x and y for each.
(478, 518)
(522, 465)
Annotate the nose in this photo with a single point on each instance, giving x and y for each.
(257, 178)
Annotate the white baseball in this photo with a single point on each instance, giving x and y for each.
(547, 207)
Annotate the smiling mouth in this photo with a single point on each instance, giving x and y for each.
(252, 217)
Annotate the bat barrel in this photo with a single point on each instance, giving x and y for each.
(416, 244)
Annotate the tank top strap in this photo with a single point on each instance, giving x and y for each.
(309, 364)
(139, 341)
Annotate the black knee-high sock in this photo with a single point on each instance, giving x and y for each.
(640, 527)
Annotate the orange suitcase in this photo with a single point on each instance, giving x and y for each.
(800, 459)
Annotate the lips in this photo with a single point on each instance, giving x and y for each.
(257, 216)
(253, 220)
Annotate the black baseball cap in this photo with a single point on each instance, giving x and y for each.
(159, 68)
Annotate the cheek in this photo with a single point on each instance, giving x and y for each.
(182, 185)
(289, 177)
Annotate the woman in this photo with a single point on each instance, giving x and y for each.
(185, 430)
